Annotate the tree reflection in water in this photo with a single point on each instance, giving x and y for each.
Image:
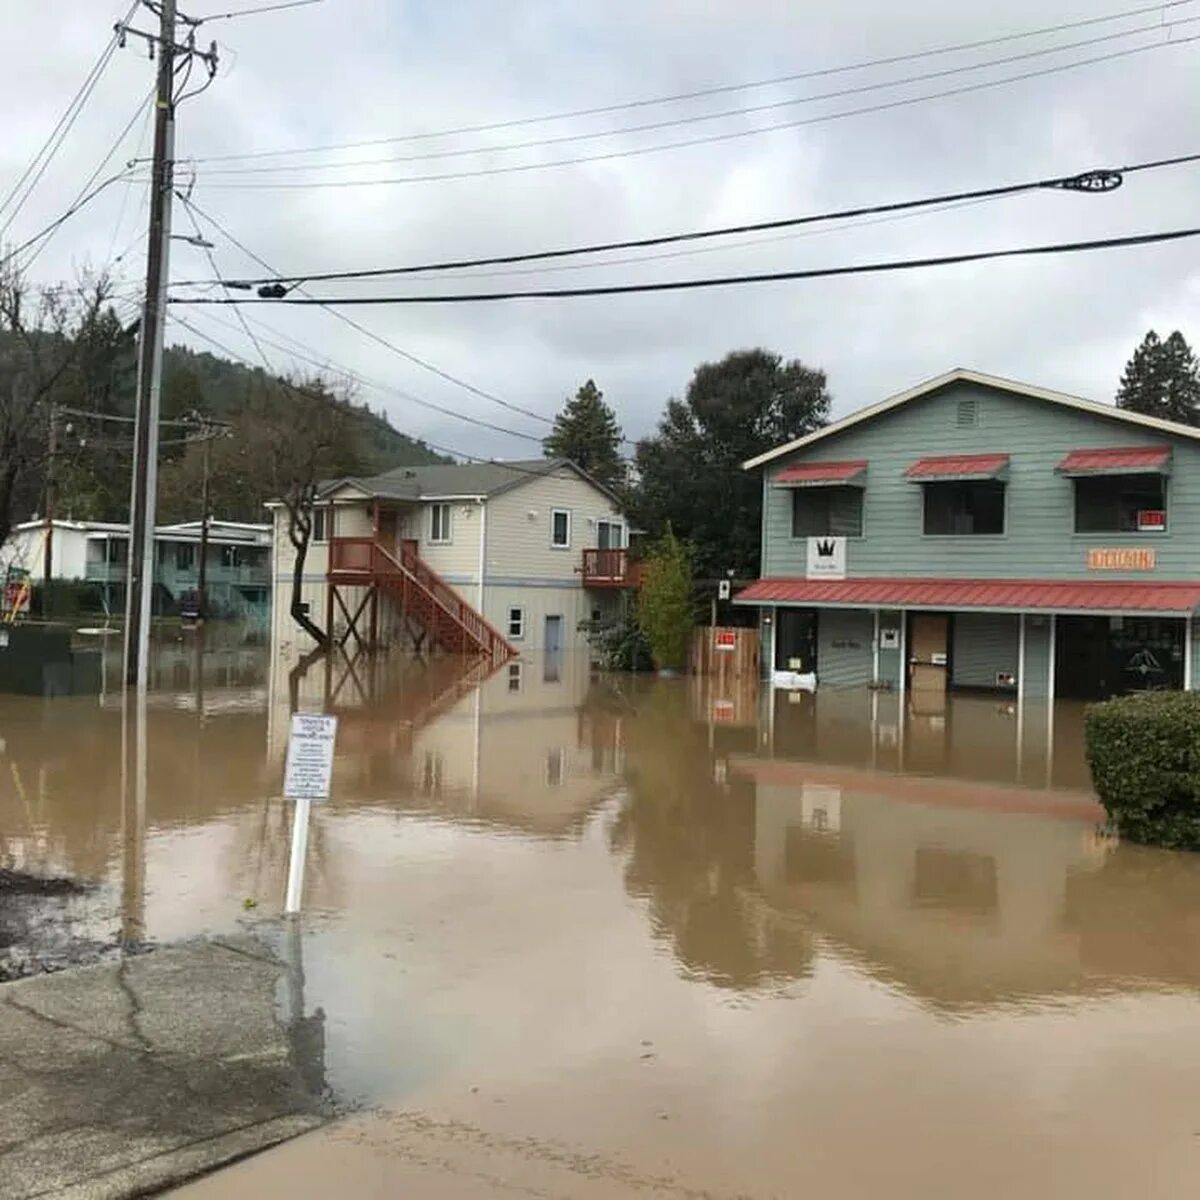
(687, 835)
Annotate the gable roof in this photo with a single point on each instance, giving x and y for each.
(453, 481)
(962, 375)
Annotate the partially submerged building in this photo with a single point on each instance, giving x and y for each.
(972, 532)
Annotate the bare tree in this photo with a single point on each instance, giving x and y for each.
(296, 435)
(42, 331)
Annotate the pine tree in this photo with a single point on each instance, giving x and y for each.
(586, 431)
(1162, 379)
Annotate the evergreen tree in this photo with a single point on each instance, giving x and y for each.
(665, 602)
(586, 431)
(1162, 379)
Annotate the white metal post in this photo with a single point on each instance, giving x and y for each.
(482, 551)
(903, 689)
(295, 881)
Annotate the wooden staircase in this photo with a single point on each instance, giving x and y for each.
(419, 593)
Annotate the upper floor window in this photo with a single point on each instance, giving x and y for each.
(974, 506)
(560, 528)
(185, 556)
(439, 523)
(231, 556)
(1119, 503)
(827, 511)
(322, 524)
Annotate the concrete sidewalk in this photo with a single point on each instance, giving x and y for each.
(126, 1077)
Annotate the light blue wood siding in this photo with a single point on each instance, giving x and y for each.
(844, 640)
(984, 645)
(1039, 539)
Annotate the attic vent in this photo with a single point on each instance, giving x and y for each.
(968, 413)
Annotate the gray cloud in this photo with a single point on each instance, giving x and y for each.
(358, 69)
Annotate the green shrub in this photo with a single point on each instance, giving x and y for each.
(666, 609)
(1144, 755)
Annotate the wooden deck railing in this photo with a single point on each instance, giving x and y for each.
(364, 556)
(610, 569)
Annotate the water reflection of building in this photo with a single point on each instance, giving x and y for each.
(529, 745)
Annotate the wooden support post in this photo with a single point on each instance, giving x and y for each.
(330, 592)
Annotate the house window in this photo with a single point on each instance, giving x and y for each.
(514, 677)
(825, 511)
(322, 524)
(516, 623)
(439, 523)
(1111, 503)
(231, 556)
(560, 528)
(965, 507)
(185, 556)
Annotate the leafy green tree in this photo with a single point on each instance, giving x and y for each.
(586, 431)
(690, 471)
(1162, 379)
(666, 606)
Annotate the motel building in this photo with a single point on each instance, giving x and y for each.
(975, 533)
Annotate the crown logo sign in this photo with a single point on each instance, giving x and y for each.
(825, 549)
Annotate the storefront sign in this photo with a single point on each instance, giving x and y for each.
(725, 639)
(1152, 520)
(1121, 558)
(826, 558)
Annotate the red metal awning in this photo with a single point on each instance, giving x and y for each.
(1167, 598)
(823, 474)
(1117, 460)
(949, 467)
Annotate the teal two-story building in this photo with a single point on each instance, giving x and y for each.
(972, 532)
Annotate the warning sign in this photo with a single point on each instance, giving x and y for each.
(308, 773)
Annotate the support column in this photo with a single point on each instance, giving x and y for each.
(1050, 684)
(1020, 693)
(875, 651)
(1187, 653)
(902, 690)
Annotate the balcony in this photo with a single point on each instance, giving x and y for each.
(610, 569)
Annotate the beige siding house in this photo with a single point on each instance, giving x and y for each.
(535, 547)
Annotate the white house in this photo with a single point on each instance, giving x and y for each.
(504, 556)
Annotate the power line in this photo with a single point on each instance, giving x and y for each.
(301, 391)
(720, 89)
(378, 338)
(1104, 179)
(407, 396)
(60, 131)
(674, 122)
(1142, 239)
(79, 200)
(269, 8)
(706, 140)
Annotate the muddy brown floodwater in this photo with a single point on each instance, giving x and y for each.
(568, 935)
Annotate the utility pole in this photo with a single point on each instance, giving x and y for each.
(202, 580)
(139, 587)
(48, 545)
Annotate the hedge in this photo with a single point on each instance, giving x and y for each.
(1144, 755)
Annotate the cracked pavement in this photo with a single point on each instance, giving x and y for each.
(130, 1076)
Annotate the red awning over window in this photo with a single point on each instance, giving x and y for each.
(1168, 598)
(823, 474)
(957, 466)
(1117, 460)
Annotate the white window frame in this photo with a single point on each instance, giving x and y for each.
(612, 523)
(520, 622)
(322, 515)
(447, 531)
(554, 514)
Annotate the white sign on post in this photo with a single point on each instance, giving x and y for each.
(309, 770)
(307, 776)
(826, 558)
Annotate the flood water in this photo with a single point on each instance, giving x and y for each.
(701, 944)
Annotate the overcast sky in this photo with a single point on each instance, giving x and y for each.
(355, 70)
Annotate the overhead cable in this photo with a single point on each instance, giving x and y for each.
(674, 285)
(720, 89)
(1094, 181)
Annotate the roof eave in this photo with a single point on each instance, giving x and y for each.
(962, 375)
